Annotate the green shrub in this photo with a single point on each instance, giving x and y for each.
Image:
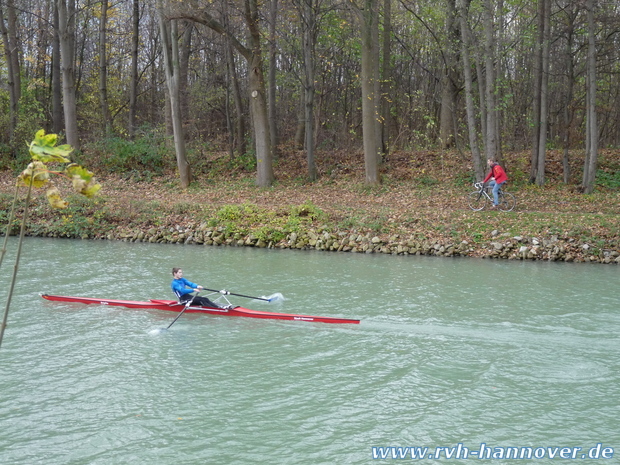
(147, 154)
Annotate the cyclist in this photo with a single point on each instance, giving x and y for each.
(498, 178)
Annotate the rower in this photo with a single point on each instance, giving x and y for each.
(183, 289)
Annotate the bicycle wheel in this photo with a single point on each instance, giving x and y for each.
(476, 201)
(507, 201)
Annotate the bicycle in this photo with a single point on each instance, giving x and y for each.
(477, 200)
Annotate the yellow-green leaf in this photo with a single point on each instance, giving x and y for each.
(43, 148)
(90, 190)
(45, 139)
(35, 173)
(79, 171)
(83, 181)
(87, 188)
(55, 200)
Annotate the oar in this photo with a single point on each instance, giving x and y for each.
(189, 302)
(241, 295)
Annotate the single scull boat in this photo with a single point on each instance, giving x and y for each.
(171, 305)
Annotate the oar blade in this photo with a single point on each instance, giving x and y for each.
(276, 297)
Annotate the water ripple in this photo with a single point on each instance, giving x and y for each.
(436, 360)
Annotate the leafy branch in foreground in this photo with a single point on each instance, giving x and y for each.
(43, 152)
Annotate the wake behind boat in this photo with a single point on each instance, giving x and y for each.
(174, 306)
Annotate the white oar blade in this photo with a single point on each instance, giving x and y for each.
(274, 297)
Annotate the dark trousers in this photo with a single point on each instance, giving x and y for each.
(199, 301)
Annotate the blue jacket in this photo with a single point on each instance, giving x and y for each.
(182, 286)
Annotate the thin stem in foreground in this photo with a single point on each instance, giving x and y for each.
(22, 233)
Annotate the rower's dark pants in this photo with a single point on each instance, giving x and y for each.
(200, 302)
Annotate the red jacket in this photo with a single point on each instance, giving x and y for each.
(498, 173)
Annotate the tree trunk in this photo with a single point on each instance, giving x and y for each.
(170, 46)
(386, 79)
(538, 72)
(155, 75)
(15, 47)
(11, 52)
(478, 164)
(256, 82)
(567, 111)
(57, 111)
(45, 33)
(258, 100)
(544, 93)
(185, 48)
(300, 131)
(103, 70)
(308, 22)
(447, 124)
(260, 119)
(239, 145)
(273, 35)
(491, 136)
(376, 70)
(66, 34)
(133, 84)
(589, 171)
(481, 93)
(369, 76)
(447, 129)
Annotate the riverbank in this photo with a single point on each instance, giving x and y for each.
(419, 209)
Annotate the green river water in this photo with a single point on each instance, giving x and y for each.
(474, 356)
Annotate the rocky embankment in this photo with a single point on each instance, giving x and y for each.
(500, 246)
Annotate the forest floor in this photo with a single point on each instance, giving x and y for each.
(422, 194)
